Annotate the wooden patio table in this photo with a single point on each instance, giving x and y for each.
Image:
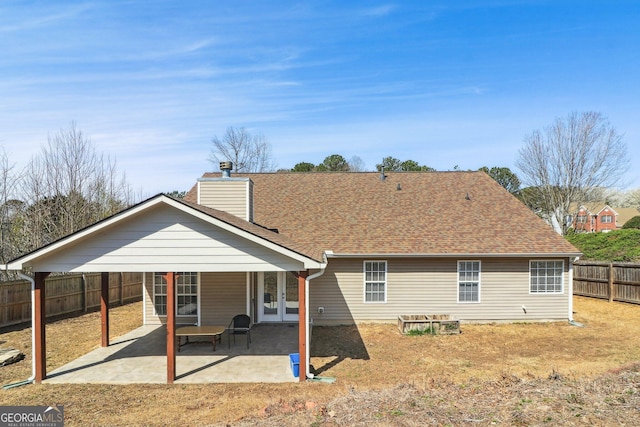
(212, 331)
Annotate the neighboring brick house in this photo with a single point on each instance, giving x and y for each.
(595, 217)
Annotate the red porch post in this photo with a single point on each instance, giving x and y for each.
(171, 327)
(38, 326)
(302, 324)
(104, 308)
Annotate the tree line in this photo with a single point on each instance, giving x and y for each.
(67, 186)
(70, 185)
(577, 159)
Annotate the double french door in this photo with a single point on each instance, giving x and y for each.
(277, 297)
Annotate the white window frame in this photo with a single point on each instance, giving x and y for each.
(479, 281)
(189, 294)
(546, 268)
(158, 294)
(609, 219)
(178, 293)
(374, 281)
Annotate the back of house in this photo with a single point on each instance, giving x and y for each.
(399, 243)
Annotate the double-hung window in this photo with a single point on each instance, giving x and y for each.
(607, 219)
(546, 277)
(468, 281)
(186, 293)
(160, 293)
(375, 281)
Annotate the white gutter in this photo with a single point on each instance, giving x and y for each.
(571, 288)
(33, 325)
(248, 297)
(306, 320)
(455, 255)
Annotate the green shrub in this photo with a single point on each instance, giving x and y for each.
(615, 246)
(632, 223)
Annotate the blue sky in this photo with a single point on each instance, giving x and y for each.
(445, 83)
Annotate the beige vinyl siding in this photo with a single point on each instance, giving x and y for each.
(430, 286)
(232, 195)
(167, 239)
(150, 316)
(223, 296)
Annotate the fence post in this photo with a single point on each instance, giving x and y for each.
(121, 288)
(83, 286)
(611, 277)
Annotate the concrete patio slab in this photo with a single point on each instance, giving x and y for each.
(140, 357)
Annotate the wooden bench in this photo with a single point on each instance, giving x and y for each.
(199, 331)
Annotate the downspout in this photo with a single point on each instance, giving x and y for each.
(33, 336)
(306, 320)
(570, 314)
(571, 321)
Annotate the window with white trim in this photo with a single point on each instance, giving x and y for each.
(160, 293)
(546, 277)
(375, 281)
(606, 219)
(468, 281)
(186, 293)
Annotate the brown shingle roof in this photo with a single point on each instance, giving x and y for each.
(269, 235)
(406, 213)
(625, 214)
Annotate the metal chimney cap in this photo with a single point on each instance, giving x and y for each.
(226, 167)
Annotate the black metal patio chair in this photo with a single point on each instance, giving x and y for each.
(240, 325)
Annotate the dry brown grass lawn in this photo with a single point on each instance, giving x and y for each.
(490, 374)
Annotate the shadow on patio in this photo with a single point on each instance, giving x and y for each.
(140, 357)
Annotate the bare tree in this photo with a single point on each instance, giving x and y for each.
(632, 199)
(69, 186)
(356, 164)
(570, 158)
(249, 153)
(9, 208)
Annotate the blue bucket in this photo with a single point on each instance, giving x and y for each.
(294, 359)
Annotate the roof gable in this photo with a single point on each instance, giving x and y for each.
(162, 234)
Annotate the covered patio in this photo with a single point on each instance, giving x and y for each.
(140, 357)
(163, 236)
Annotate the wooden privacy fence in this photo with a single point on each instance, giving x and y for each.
(612, 281)
(69, 293)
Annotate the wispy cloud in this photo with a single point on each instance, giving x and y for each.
(432, 81)
(382, 10)
(30, 22)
